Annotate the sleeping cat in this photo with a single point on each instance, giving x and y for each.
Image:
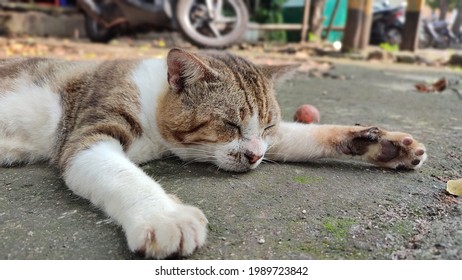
(97, 120)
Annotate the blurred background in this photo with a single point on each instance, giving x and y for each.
(336, 25)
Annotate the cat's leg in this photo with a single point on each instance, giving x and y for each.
(154, 222)
(302, 142)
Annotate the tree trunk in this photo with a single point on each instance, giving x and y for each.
(458, 20)
(443, 9)
(316, 19)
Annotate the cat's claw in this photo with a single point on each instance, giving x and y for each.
(179, 233)
(387, 149)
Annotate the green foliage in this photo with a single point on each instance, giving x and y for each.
(313, 37)
(271, 12)
(435, 4)
(389, 47)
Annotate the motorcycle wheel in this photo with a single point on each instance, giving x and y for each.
(394, 36)
(96, 32)
(224, 27)
(424, 39)
(444, 43)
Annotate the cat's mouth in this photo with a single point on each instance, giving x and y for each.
(232, 159)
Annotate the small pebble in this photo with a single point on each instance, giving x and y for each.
(261, 240)
(304, 211)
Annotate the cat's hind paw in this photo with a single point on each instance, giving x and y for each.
(386, 149)
(177, 233)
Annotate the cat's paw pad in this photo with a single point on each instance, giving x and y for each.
(180, 233)
(387, 149)
(396, 150)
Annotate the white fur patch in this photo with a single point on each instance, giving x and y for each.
(151, 79)
(252, 127)
(296, 142)
(153, 222)
(29, 117)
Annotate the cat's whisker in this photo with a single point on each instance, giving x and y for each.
(196, 144)
(200, 159)
(191, 148)
(275, 154)
(187, 149)
(170, 156)
(266, 160)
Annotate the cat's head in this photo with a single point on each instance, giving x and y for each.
(220, 108)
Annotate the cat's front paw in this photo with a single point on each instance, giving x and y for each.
(385, 148)
(163, 234)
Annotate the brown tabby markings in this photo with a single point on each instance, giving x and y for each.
(233, 97)
(97, 108)
(99, 100)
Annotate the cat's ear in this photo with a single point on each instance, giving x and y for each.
(185, 68)
(278, 73)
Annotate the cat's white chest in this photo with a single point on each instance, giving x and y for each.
(151, 79)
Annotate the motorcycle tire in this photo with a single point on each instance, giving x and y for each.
(424, 39)
(394, 35)
(96, 32)
(208, 34)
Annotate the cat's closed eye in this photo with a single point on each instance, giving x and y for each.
(233, 126)
(268, 129)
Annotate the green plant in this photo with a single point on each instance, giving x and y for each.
(313, 37)
(389, 47)
(271, 12)
(308, 180)
(338, 227)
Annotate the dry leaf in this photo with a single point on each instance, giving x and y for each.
(454, 187)
(422, 88)
(440, 85)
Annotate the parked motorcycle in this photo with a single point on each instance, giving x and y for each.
(205, 23)
(387, 25)
(436, 34)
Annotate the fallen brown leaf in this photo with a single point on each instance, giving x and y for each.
(422, 88)
(440, 85)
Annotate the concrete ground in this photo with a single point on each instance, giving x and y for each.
(319, 210)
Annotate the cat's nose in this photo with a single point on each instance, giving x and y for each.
(253, 158)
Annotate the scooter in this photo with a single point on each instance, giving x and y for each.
(437, 34)
(387, 25)
(205, 23)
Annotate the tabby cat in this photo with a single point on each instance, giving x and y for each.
(97, 120)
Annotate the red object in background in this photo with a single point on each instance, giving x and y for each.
(56, 3)
(307, 113)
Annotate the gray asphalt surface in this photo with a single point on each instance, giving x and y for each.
(326, 209)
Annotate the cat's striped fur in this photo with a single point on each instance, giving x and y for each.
(96, 120)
